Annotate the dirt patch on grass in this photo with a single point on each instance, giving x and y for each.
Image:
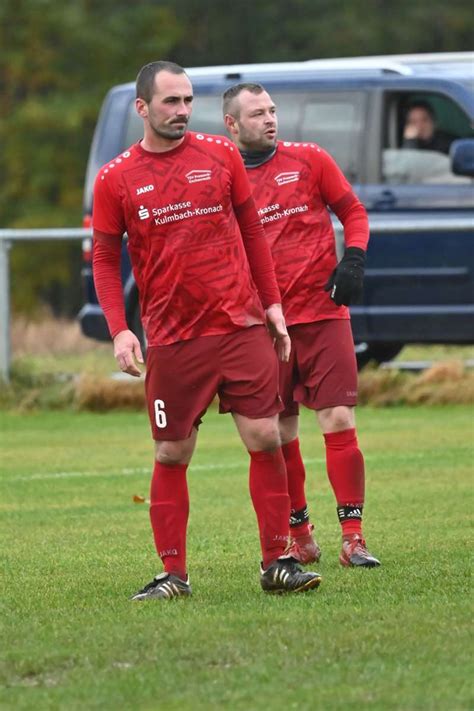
(443, 383)
(102, 394)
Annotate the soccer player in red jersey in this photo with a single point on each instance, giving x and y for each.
(293, 184)
(203, 270)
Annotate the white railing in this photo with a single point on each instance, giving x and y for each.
(378, 224)
(7, 237)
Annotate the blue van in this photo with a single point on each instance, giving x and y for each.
(419, 285)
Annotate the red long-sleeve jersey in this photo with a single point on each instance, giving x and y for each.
(292, 192)
(197, 248)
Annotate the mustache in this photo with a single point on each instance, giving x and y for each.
(185, 119)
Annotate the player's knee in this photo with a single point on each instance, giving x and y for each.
(172, 453)
(337, 419)
(265, 437)
(288, 427)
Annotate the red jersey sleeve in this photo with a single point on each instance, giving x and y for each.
(107, 211)
(241, 190)
(337, 192)
(258, 253)
(106, 253)
(256, 246)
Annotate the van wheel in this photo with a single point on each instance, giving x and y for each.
(378, 352)
(137, 328)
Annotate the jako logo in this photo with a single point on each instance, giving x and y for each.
(196, 176)
(283, 178)
(145, 189)
(143, 213)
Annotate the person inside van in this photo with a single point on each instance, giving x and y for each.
(420, 131)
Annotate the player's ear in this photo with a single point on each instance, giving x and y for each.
(230, 124)
(141, 107)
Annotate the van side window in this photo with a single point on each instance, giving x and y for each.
(419, 130)
(336, 122)
(207, 115)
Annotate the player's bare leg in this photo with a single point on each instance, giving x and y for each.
(346, 472)
(269, 492)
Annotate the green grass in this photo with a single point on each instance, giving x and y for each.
(94, 362)
(75, 547)
(435, 353)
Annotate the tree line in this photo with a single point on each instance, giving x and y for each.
(59, 59)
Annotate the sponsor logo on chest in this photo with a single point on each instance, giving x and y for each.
(290, 177)
(197, 176)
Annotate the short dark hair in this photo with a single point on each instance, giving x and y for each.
(145, 84)
(233, 91)
(421, 104)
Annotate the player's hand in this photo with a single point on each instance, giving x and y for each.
(127, 351)
(277, 327)
(347, 280)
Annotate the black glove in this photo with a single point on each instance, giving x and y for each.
(346, 281)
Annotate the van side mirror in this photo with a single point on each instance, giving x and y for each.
(462, 156)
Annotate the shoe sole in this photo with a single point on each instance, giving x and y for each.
(157, 597)
(144, 598)
(310, 585)
(347, 563)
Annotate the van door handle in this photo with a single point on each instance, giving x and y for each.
(386, 201)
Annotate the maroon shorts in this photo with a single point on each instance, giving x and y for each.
(322, 371)
(182, 380)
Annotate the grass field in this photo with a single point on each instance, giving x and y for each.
(75, 547)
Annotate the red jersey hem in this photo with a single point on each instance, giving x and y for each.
(212, 332)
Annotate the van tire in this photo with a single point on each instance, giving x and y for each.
(377, 352)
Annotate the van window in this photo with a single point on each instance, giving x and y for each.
(207, 115)
(333, 120)
(336, 122)
(419, 129)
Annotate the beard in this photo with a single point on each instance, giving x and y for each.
(257, 143)
(169, 131)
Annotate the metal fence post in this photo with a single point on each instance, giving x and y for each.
(4, 311)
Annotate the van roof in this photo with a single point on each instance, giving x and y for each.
(454, 65)
(405, 64)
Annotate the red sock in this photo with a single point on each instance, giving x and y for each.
(269, 492)
(169, 510)
(302, 529)
(346, 472)
(296, 474)
(296, 478)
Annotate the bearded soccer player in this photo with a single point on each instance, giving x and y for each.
(203, 270)
(292, 185)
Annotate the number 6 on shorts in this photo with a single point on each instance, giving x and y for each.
(160, 414)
